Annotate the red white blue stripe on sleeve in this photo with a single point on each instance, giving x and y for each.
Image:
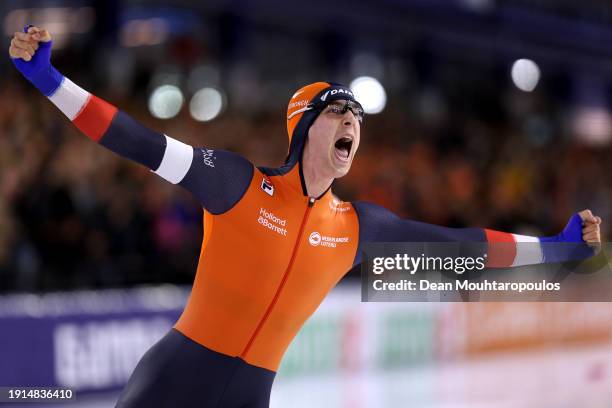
(508, 250)
(90, 114)
(515, 250)
(105, 124)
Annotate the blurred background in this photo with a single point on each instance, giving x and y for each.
(490, 113)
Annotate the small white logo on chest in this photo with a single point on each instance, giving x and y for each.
(316, 239)
(339, 206)
(267, 186)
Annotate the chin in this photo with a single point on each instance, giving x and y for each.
(341, 172)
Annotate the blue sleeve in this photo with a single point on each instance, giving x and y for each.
(131, 140)
(377, 224)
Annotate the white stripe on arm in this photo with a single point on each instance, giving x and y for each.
(176, 161)
(70, 98)
(528, 250)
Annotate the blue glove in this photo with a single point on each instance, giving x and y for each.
(568, 245)
(39, 70)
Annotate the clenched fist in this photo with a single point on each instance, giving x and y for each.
(31, 54)
(590, 227)
(24, 45)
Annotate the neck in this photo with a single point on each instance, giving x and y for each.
(316, 182)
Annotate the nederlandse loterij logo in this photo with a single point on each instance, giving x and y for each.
(316, 239)
(267, 186)
(268, 220)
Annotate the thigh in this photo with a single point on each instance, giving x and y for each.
(177, 372)
(249, 387)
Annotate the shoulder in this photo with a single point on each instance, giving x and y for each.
(370, 212)
(219, 178)
(213, 158)
(338, 206)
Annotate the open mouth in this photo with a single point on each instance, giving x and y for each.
(343, 147)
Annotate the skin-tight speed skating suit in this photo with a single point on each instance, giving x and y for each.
(269, 256)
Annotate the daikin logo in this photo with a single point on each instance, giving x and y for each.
(335, 92)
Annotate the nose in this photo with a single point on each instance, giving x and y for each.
(349, 119)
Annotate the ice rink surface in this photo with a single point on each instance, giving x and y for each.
(563, 378)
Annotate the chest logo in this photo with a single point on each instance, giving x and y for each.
(267, 186)
(339, 206)
(268, 220)
(316, 239)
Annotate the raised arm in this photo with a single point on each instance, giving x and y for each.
(377, 224)
(217, 178)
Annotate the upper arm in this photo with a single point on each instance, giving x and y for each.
(217, 178)
(377, 224)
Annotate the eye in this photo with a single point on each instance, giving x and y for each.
(358, 113)
(336, 109)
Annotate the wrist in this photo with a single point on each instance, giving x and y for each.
(567, 245)
(39, 70)
(47, 80)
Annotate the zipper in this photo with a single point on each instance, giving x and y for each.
(311, 201)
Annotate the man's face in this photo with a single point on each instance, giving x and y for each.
(332, 141)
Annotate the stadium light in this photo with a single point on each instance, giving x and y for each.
(370, 93)
(206, 104)
(525, 74)
(165, 102)
(593, 126)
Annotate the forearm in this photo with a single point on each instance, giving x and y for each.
(507, 249)
(112, 128)
(102, 122)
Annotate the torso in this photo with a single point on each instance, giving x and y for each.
(265, 267)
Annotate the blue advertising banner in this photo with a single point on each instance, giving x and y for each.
(87, 341)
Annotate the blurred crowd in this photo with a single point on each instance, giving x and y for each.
(74, 215)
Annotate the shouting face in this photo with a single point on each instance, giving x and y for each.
(333, 140)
